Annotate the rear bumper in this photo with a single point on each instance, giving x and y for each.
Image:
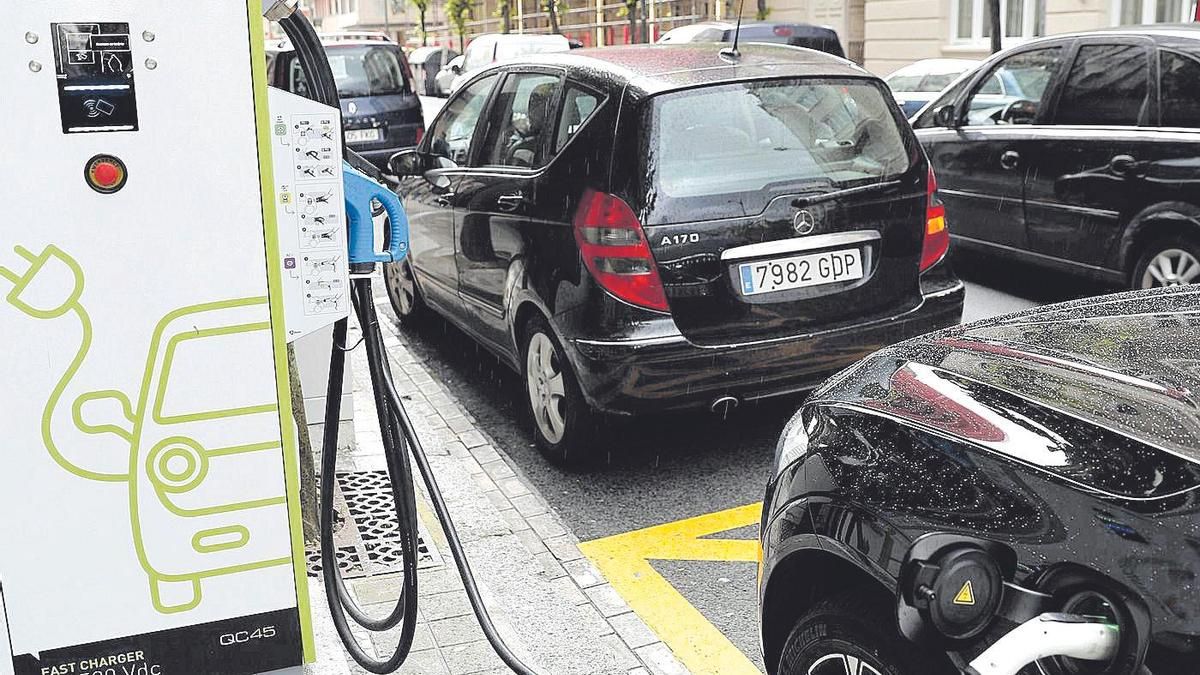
(402, 136)
(635, 376)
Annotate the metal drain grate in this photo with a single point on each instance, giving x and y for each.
(368, 535)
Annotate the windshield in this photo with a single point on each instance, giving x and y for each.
(360, 70)
(776, 134)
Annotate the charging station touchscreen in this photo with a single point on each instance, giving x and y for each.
(147, 461)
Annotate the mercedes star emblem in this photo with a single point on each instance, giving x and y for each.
(352, 107)
(804, 222)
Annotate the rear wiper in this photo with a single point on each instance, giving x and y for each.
(801, 202)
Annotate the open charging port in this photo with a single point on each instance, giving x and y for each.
(958, 593)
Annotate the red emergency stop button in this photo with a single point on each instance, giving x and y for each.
(105, 174)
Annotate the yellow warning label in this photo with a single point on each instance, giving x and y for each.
(966, 595)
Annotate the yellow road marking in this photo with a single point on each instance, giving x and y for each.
(624, 559)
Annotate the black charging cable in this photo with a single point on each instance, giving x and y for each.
(399, 440)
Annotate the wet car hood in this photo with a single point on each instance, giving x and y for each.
(1104, 392)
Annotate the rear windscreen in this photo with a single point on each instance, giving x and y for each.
(741, 143)
(375, 70)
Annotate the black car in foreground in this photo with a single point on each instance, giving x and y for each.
(953, 487)
(1087, 162)
(658, 227)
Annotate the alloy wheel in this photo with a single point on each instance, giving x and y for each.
(547, 389)
(1172, 267)
(841, 664)
(401, 278)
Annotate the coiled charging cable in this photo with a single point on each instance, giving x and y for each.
(396, 428)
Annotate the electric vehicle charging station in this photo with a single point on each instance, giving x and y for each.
(188, 227)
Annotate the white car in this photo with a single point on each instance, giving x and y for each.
(445, 76)
(495, 48)
(918, 83)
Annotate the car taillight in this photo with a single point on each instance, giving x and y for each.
(937, 237)
(783, 31)
(420, 135)
(616, 252)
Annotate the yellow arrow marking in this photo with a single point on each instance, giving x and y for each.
(966, 594)
(624, 559)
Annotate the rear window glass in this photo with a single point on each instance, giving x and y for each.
(359, 71)
(720, 143)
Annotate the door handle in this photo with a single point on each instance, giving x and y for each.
(443, 199)
(1010, 159)
(1122, 164)
(510, 203)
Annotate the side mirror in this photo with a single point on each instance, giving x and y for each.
(407, 162)
(946, 116)
(456, 69)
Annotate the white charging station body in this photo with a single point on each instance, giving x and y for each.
(162, 244)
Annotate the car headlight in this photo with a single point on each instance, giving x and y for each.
(793, 443)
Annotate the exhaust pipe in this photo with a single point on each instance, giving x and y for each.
(724, 405)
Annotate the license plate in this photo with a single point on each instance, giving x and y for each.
(363, 136)
(814, 269)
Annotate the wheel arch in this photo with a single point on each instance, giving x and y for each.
(1159, 220)
(797, 583)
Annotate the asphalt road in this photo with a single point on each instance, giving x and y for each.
(669, 467)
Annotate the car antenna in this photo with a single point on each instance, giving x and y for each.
(732, 52)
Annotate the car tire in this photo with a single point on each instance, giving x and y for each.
(1168, 261)
(563, 422)
(855, 634)
(403, 292)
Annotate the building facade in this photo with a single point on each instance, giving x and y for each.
(883, 35)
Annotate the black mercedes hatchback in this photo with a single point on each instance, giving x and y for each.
(1015, 495)
(1089, 161)
(660, 227)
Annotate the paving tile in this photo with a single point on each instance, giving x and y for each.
(386, 642)
(472, 439)
(497, 469)
(513, 487)
(583, 572)
(607, 600)
(564, 548)
(623, 655)
(515, 522)
(483, 453)
(456, 631)
(457, 423)
(470, 658)
(550, 565)
(498, 500)
(529, 505)
(445, 605)
(428, 662)
(633, 630)
(483, 481)
(384, 588)
(531, 541)
(436, 581)
(546, 525)
(659, 660)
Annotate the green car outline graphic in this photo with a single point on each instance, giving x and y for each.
(178, 506)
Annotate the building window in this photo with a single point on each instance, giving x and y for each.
(1129, 12)
(1022, 19)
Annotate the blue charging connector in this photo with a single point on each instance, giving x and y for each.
(360, 191)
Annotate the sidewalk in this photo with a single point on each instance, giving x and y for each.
(552, 606)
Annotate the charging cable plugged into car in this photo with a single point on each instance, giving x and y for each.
(957, 593)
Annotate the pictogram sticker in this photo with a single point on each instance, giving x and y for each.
(966, 594)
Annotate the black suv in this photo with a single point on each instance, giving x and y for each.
(381, 112)
(946, 490)
(1089, 163)
(653, 227)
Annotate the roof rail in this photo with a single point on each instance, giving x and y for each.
(346, 36)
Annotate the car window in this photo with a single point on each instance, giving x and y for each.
(904, 82)
(837, 132)
(1107, 85)
(451, 134)
(1180, 90)
(520, 121)
(1025, 77)
(578, 106)
(926, 119)
(479, 54)
(992, 85)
